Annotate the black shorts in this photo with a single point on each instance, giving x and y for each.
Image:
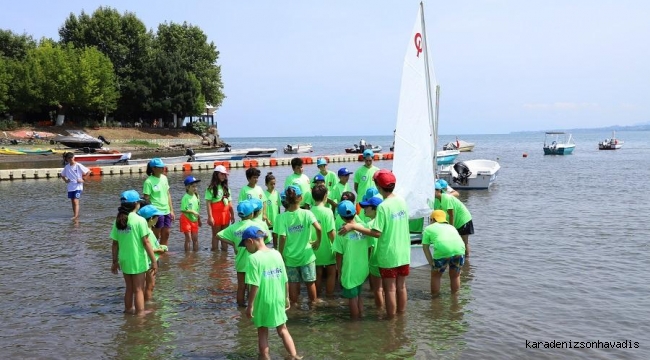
(467, 229)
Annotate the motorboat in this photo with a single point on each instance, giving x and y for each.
(356, 149)
(98, 158)
(460, 145)
(298, 149)
(78, 139)
(470, 174)
(558, 143)
(229, 154)
(610, 144)
(446, 157)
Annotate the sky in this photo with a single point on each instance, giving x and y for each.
(307, 68)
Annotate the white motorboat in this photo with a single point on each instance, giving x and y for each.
(78, 139)
(460, 145)
(559, 143)
(611, 144)
(298, 149)
(97, 158)
(470, 174)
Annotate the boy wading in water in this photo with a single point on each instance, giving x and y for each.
(268, 300)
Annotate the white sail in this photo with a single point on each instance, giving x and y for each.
(416, 130)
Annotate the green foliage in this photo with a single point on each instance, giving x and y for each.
(14, 46)
(198, 127)
(8, 125)
(97, 88)
(5, 82)
(141, 143)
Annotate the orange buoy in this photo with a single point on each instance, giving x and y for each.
(525, 155)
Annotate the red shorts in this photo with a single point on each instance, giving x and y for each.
(188, 225)
(220, 213)
(392, 273)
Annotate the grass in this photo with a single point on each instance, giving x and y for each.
(141, 143)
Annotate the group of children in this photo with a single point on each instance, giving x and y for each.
(321, 236)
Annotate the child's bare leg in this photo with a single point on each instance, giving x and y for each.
(294, 290)
(311, 291)
(158, 233)
(195, 241)
(466, 241)
(454, 280)
(402, 295)
(75, 208)
(241, 289)
(164, 236)
(377, 290)
(263, 343)
(187, 241)
(150, 283)
(360, 305)
(319, 278)
(138, 292)
(435, 282)
(128, 293)
(275, 241)
(330, 281)
(287, 340)
(215, 242)
(353, 304)
(390, 295)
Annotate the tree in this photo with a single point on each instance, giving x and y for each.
(126, 42)
(197, 57)
(96, 85)
(15, 46)
(5, 81)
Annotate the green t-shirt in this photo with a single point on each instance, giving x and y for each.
(354, 248)
(216, 196)
(325, 217)
(233, 233)
(158, 191)
(190, 202)
(303, 183)
(394, 244)
(131, 256)
(373, 265)
(247, 193)
(444, 239)
(154, 245)
(262, 225)
(363, 179)
(296, 226)
(337, 190)
(278, 222)
(461, 215)
(331, 179)
(267, 271)
(272, 205)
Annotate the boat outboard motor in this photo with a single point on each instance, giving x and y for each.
(103, 139)
(463, 173)
(190, 152)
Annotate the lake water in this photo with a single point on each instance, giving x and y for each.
(561, 253)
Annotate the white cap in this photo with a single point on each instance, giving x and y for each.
(222, 169)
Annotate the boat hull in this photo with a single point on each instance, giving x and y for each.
(120, 158)
(375, 149)
(483, 174)
(298, 149)
(559, 150)
(446, 157)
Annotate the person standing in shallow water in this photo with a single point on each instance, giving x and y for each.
(156, 191)
(73, 175)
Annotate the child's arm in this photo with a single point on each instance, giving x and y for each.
(339, 264)
(229, 242)
(149, 250)
(287, 305)
(427, 254)
(115, 250)
(281, 242)
(171, 206)
(319, 233)
(360, 228)
(450, 212)
(208, 208)
(331, 235)
(252, 293)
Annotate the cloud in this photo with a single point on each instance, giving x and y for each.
(562, 106)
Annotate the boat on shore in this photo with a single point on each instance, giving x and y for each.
(192, 156)
(611, 144)
(356, 149)
(97, 158)
(460, 145)
(560, 143)
(298, 149)
(78, 139)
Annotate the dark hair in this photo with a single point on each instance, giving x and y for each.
(214, 185)
(269, 177)
(348, 195)
(123, 215)
(296, 162)
(149, 169)
(292, 198)
(66, 155)
(250, 172)
(389, 189)
(347, 218)
(318, 192)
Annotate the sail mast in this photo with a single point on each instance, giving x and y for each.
(433, 111)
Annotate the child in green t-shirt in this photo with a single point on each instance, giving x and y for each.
(190, 215)
(272, 198)
(150, 213)
(448, 250)
(325, 260)
(268, 300)
(339, 188)
(352, 253)
(369, 206)
(253, 191)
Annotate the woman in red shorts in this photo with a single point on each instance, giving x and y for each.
(217, 198)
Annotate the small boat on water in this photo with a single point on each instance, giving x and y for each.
(78, 139)
(610, 144)
(115, 158)
(470, 174)
(298, 149)
(192, 156)
(446, 157)
(460, 145)
(560, 143)
(356, 149)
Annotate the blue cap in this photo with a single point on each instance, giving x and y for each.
(368, 153)
(296, 189)
(438, 186)
(319, 177)
(257, 204)
(251, 232)
(371, 201)
(245, 208)
(190, 180)
(344, 171)
(156, 163)
(149, 211)
(130, 196)
(283, 196)
(443, 184)
(346, 208)
(372, 191)
(321, 161)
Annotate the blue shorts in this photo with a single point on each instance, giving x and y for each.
(164, 221)
(454, 263)
(305, 273)
(74, 194)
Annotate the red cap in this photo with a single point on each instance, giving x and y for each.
(384, 178)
